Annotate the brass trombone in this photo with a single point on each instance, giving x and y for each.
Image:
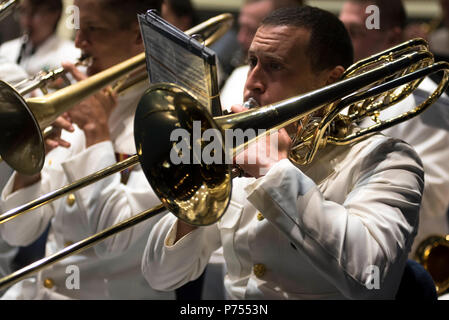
(405, 58)
(22, 121)
(190, 191)
(43, 79)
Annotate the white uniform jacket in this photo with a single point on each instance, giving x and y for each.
(11, 72)
(111, 269)
(428, 134)
(339, 228)
(47, 56)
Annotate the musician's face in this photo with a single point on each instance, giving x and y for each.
(101, 36)
(37, 21)
(280, 65)
(366, 42)
(250, 17)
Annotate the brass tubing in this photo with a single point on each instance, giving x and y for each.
(51, 196)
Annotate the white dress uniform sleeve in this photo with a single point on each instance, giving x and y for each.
(11, 72)
(374, 226)
(26, 228)
(167, 265)
(109, 201)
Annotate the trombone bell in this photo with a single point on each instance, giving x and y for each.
(21, 141)
(433, 254)
(198, 193)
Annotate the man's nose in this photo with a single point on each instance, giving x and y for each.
(81, 41)
(255, 82)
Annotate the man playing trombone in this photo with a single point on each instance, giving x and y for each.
(340, 227)
(40, 48)
(97, 132)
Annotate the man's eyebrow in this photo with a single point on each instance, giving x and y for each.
(266, 55)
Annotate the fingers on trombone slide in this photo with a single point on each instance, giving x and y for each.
(52, 134)
(74, 71)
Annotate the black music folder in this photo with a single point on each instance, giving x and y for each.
(174, 57)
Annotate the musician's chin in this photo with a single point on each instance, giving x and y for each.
(93, 69)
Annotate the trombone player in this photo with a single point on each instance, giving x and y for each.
(94, 134)
(338, 228)
(40, 48)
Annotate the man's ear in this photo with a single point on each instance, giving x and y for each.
(334, 75)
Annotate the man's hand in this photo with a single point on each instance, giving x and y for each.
(53, 137)
(261, 155)
(52, 141)
(92, 115)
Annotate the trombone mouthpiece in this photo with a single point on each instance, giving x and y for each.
(85, 60)
(251, 103)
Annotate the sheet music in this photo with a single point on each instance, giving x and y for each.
(174, 57)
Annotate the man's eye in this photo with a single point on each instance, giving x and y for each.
(93, 28)
(252, 61)
(275, 66)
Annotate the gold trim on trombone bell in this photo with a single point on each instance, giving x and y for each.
(433, 254)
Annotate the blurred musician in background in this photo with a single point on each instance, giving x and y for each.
(180, 13)
(92, 136)
(40, 48)
(439, 38)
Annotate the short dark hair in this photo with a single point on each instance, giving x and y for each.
(392, 12)
(53, 5)
(50, 5)
(329, 44)
(126, 11)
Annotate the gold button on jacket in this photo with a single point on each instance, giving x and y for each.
(260, 217)
(259, 270)
(49, 283)
(71, 199)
